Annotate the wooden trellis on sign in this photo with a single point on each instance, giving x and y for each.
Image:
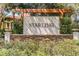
(48, 11)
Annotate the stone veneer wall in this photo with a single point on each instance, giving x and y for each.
(40, 37)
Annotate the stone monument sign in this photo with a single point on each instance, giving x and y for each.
(41, 25)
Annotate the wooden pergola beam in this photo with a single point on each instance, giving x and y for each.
(48, 11)
(45, 11)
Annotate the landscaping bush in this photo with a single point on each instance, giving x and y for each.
(65, 25)
(18, 27)
(41, 48)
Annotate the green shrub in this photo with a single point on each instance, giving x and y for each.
(41, 48)
(65, 25)
(18, 27)
(66, 48)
